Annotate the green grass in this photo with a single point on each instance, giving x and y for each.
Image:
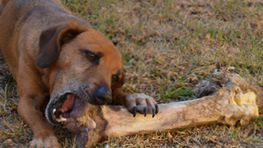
(181, 93)
(167, 47)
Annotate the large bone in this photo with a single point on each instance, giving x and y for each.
(235, 101)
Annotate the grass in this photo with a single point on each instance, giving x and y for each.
(167, 46)
(180, 94)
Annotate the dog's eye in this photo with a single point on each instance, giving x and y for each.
(115, 78)
(91, 56)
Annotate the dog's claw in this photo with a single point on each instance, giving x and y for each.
(153, 112)
(141, 103)
(156, 109)
(134, 111)
(145, 111)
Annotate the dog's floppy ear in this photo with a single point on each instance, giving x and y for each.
(53, 38)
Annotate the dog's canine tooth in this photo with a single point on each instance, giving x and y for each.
(54, 110)
(61, 119)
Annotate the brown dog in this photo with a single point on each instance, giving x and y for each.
(58, 59)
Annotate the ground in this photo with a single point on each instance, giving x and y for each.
(167, 47)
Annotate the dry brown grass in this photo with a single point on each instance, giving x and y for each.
(167, 45)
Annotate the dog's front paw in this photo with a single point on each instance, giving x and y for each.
(139, 102)
(47, 142)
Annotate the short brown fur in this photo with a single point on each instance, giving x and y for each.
(41, 42)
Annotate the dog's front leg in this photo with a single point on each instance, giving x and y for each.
(136, 102)
(29, 108)
(33, 94)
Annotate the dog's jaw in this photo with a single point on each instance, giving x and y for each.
(82, 94)
(57, 97)
(52, 108)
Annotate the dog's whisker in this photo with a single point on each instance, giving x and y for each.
(84, 93)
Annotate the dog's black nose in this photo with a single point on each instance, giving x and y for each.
(103, 95)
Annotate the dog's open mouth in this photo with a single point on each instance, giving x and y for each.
(67, 106)
(62, 112)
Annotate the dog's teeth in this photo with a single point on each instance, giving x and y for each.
(61, 119)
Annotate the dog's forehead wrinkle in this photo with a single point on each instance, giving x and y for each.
(94, 44)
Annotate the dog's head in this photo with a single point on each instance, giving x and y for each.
(82, 67)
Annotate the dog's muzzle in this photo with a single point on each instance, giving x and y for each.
(59, 109)
(71, 103)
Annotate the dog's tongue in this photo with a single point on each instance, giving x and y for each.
(68, 103)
